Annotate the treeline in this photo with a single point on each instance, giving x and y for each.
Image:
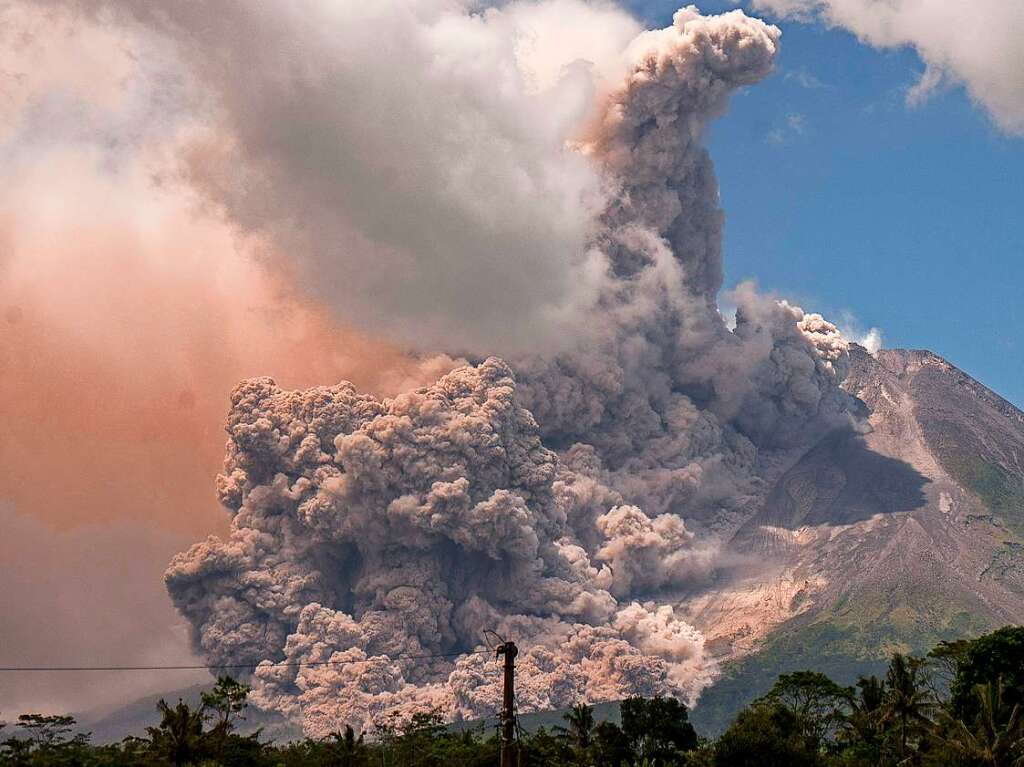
(961, 706)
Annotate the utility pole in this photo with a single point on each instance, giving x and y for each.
(508, 716)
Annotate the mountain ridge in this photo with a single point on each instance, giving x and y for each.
(888, 540)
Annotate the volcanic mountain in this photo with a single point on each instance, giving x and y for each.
(889, 540)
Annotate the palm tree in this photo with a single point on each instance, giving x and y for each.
(863, 723)
(580, 719)
(908, 701)
(346, 746)
(179, 736)
(998, 739)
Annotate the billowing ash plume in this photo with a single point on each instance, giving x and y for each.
(673, 401)
(562, 499)
(368, 530)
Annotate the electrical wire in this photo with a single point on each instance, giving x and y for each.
(203, 667)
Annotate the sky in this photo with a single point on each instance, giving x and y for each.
(906, 218)
(131, 304)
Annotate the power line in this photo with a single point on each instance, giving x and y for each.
(205, 667)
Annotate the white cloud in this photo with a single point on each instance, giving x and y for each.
(976, 43)
(794, 126)
(805, 79)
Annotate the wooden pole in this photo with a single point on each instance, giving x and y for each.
(508, 717)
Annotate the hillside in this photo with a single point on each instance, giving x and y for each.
(890, 540)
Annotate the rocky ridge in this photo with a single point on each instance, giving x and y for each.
(878, 540)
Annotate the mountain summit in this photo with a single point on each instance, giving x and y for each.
(889, 540)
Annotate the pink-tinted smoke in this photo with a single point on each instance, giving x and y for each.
(126, 317)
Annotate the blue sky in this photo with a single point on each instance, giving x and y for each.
(841, 197)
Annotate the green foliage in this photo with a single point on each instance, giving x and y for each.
(766, 735)
(818, 702)
(805, 719)
(994, 658)
(225, 702)
(658, 728)
(907, 703)
(854, 637)
(579, 730)
(611, 746)
(861, 731)
(547, 750)
(178, 739)
(997, 738)
(181, 738)
(1000, 491)
(44, 740)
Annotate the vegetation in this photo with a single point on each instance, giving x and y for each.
(972, 465)
(961, 706)
(856, 636)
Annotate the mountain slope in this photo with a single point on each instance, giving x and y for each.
(890, 540)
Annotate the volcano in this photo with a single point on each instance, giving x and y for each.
(888, 540)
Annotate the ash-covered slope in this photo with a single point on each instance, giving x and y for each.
(890, 540)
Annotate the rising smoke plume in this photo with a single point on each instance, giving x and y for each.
(564, 496)
(477, 182)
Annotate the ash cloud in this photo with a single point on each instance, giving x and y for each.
(403, 160)
(366, 530)
(457, 181)
(565, 497)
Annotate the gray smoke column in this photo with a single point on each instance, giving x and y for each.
(564, 499)
(675, 404)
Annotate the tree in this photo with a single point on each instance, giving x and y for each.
(223, 706)
(997, 740)
(657, 728)
(702, 756)
(48, 740)
(225, 703)
(908, 700)
(766, 735)
(179, 736)
(580, 721)
(49, 731)
(820, 703)
(422, 740)
(610, 747)
(862, 728)
(989, 659)
(947, 657)
(346, 748)
(543, 748)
